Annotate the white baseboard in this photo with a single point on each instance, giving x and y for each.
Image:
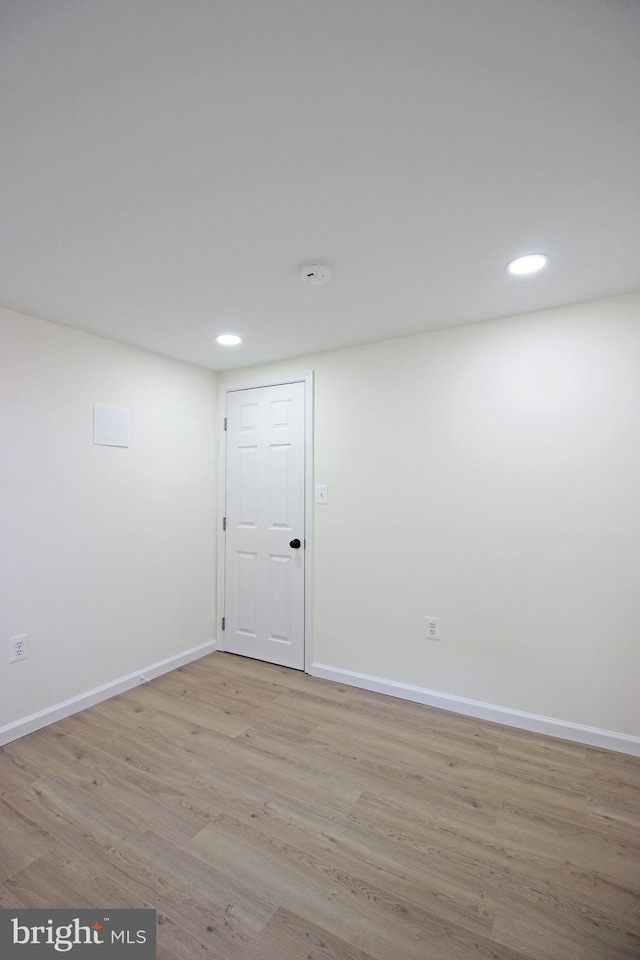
(20, 728)
(593, 736)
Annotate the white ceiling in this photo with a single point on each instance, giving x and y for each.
(168, 165)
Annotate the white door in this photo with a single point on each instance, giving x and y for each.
(265, 536)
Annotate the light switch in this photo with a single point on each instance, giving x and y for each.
(322, 493)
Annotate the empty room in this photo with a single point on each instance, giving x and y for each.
(319, 473)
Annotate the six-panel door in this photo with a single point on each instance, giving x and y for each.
(264, 574)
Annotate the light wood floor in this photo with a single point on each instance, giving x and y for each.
(268, 815)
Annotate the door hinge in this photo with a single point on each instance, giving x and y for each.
(223, 622)
(224, 523)
(225, 423)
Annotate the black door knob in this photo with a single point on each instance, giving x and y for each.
(295, 544)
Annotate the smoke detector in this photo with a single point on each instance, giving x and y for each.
(315, 274)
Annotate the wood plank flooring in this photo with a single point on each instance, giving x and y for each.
(268, 815)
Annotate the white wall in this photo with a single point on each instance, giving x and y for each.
(106, 554)
(487, 475)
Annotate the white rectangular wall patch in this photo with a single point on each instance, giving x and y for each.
(111, 425)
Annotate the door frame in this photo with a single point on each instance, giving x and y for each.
(253, 383)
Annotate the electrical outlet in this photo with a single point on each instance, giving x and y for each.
(432, 628)
(18, 647)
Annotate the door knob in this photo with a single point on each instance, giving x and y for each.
(295, 544)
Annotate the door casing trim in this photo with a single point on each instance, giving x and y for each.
(252, 383)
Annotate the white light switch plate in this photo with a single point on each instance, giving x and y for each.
(322, 493)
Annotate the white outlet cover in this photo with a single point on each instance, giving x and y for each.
(24, 638)
(432, 628)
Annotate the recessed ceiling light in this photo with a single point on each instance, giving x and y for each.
(530, 263)
(229, 339)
